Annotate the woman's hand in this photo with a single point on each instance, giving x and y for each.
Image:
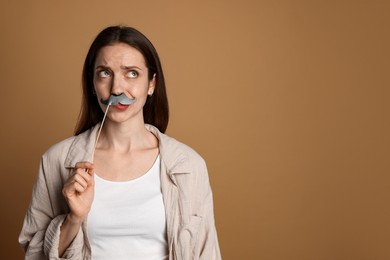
(79, 191)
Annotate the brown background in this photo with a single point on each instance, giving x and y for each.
(288, 101)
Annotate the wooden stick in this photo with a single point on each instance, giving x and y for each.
(98, 135)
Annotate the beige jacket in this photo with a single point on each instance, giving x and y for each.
(186, 191)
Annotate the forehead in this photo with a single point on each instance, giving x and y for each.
(119, 54)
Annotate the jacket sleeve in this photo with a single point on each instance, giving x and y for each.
(41, 227)
(209, 246)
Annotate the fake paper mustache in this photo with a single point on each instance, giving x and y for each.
(118, 99)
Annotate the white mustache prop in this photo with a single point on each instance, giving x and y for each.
(113, 100)
(118, 99)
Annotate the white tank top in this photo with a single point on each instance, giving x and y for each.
(127, 219)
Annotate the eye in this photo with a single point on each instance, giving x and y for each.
(132, 74)
(103, 74)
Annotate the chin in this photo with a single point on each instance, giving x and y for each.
(121, 118)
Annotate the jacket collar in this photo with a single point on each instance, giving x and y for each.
(172, 155)
(82, 147)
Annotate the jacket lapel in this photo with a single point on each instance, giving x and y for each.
(82, 147)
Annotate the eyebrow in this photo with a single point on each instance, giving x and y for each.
(122, 67)
(130, 67)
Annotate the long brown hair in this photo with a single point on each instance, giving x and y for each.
(155, 110)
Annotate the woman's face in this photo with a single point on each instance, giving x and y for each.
(118, 69)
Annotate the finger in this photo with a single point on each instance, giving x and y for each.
(70, 189)
(78, 187)
(88, 177)
(78, 178)
(84, 165)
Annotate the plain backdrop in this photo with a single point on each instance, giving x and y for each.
(288, 102)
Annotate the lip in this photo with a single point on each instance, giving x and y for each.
(121, 107)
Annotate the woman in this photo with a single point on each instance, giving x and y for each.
(129, 191)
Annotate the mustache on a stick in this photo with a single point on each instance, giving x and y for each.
(112, 100)
(118, 99)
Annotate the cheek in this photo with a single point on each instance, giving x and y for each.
(101, 88)
(139, 90)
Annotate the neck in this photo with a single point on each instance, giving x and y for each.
(124, 137)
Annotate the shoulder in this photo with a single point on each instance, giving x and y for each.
(59, 150)
(175, 152)
(72, 148)
(174, 146)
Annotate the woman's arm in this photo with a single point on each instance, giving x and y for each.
(68, 231)
(43, 223)
(208, 236)
(197, 237)
(78, 192)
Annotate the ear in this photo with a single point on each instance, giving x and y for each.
(152, 85)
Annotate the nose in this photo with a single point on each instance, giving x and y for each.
(116, 86)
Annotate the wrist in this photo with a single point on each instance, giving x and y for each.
(73, 219)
